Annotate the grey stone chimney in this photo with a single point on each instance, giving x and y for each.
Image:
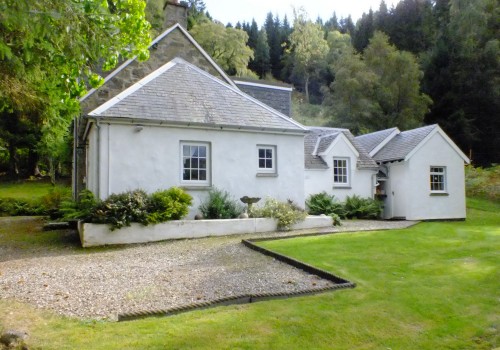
(175, 12)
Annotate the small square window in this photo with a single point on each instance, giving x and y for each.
(266, 159)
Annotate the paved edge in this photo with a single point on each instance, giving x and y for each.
(340, 283)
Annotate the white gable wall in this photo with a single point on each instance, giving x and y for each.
(150, 159)
(421, 203)
(319, 180)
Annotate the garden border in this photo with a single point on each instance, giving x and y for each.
(340, 283)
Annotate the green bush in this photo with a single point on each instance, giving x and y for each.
(323, 203)
(80, 209)
(52, 201)
(483, 182)
(220, 205)
(362, 208)
(336, 220)
(171, 204)
(21, 207)
(119, 210)
(286, 213)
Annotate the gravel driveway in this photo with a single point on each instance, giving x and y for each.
(101, 284)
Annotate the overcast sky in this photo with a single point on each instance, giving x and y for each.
(244, 10)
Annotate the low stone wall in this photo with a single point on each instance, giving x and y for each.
(100, 234)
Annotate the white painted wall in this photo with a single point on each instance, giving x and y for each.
(150, 160)
(361, 180)
(421, 204)
(100, 234)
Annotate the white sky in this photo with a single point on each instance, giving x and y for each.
(244, 10)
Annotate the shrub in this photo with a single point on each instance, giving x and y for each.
(171, 204)
(362, 208)
(219, 205)
(80, 209)
(336, 220)
(51, 202)
(120, 210)
(286, 213)
(19, 207)
(483, 182)
(323, 203)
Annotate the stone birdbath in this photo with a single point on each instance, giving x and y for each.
(249, 201)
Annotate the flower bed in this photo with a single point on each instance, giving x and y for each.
(100, 234)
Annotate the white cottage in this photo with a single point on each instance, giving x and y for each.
(421, 174)
(181, 126)
(179, 120)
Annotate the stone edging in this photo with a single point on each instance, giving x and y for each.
(340, 283)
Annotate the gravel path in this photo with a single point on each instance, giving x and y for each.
(101, 284)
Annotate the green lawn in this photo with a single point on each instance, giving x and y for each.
(27, 190)
(433, 286)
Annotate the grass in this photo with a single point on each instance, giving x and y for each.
(433, 286)
(28, 190)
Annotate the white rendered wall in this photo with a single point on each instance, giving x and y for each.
(361, 181)
(421, 203)
(150, 159)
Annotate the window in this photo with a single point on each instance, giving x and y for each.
(195, 163)
(266, 159)
(341, 171)
(438, 179)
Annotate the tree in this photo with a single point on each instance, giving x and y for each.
(309, 49)
(196, 13)
(261, 62)
(227, 46)
(53, 51)
(352, 93)
(364, 31)
(462, 76)
(398, 88)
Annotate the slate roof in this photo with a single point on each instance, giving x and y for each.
(180, 92)
(320, 139)
(402, 144)
(372, 140)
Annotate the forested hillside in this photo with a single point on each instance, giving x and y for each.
(421, 62)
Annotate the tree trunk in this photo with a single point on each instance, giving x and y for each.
(52, 171)
(33, 163)
(13, 166)
(306, 87)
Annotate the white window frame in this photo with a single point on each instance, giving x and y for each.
(265, 158)
(198, 168)
(437, 185)
(346, 169)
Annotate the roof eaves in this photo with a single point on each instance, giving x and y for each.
(126, 120)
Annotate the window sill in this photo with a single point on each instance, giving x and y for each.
(266, 175)
(342, 187)
(439, 194)
(196, 187)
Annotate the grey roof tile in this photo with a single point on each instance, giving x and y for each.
(326, 136)
(184, 93)
(402, 144)
(372, 140)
